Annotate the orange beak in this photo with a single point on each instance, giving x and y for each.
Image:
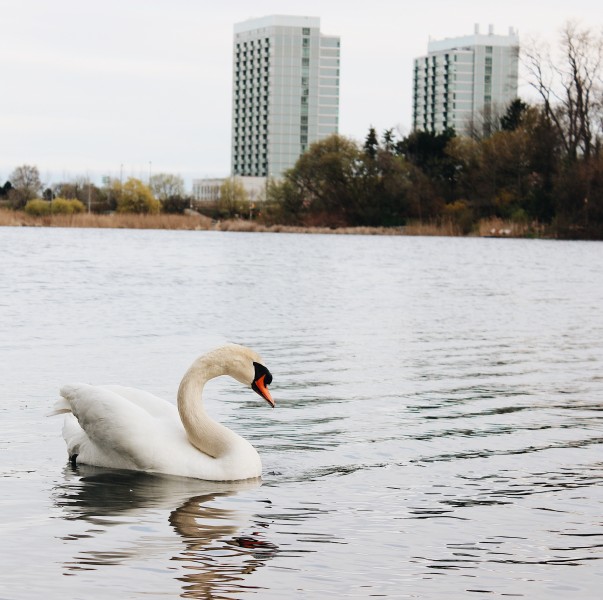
(260, 387)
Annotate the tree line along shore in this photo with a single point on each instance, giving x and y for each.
(531, 170)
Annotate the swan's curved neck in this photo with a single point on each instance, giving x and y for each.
(203, 432)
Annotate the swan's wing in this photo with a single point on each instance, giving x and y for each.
(158, 407)
(120, 431)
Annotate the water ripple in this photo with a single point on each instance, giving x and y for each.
(437, 430)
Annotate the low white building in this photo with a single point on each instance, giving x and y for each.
(208, 190)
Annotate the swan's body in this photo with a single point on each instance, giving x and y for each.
(125, 428)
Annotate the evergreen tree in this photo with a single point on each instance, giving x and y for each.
(371, 144)
(513, 118)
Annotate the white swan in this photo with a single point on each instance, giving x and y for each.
(124, 428)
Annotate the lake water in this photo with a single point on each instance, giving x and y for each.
(438, 429)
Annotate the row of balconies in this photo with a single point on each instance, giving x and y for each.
(256, 149)
(245, 82)
(243, 52)
(251, 78)
(242, 106)
(257, 53)
(249, 106)
(249, 133)
(250, 159)
(251, 113)
(242, 66)
(251, 85)
(243, 126)
(259, 171)
(252, 110)
(254, 94)
(250, 163)
(435, 84)
(248, 136)
(242, 61)
(249, 125)
(432, 79)
(254, 43)
(247, 119)
(238, 67)
(250, 119)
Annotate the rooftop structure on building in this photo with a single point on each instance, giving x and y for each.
(466, 82)
(285, 92)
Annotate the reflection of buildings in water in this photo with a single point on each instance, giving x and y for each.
(220, 546)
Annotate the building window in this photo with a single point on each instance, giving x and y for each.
(306, 31)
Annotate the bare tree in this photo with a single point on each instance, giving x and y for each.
(26, 185)
(166, 185)
(569, 85)
(485, 122)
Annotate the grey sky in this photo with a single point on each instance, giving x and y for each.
(94, 88)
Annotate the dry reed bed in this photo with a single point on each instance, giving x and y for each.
(253, 227)
(114, 221)
(10, 218)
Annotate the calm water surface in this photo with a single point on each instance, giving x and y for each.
(437, 434)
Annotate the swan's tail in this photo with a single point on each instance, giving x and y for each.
(60, 407)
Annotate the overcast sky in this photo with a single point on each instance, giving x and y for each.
(98, 88)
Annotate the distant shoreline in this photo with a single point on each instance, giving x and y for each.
(197, 222)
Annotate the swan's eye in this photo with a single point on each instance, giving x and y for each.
(261, 370)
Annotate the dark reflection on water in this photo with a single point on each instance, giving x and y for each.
(219, 547)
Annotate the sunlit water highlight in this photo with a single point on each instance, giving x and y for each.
(437, 433)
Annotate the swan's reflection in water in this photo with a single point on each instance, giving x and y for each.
(218, 547)
(217, 554)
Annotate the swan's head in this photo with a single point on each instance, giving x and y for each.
(248, 368)
(262, 378)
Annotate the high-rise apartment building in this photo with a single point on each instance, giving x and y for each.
(285, 92)
(464, 82)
